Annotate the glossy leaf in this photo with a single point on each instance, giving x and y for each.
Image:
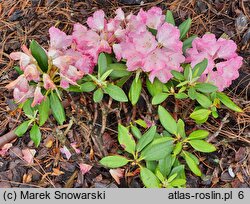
(98, 95)
(159, 98)
(146, 138)
(119, 70)
(192, 165)
(166, 164)
(102, 64)
(192, 93)
(200, 68)
(35, 135)
(228, 102)
(184, 27)
(178, 75)
(148, 178)
(206, 87)
(203, 100)
(188, 43)
(200, 115)
(57, 108)
(181, 128)
(135, 91)
(202, 146)
(169, 18)
(114, 161)
(40, 55)
(167, 120)
(116, 93)
(136, 132)
(177, 148)
(21, 129)
(126, 140)
(44, 109)
(28, 110)
(198, 135)
(154, 88)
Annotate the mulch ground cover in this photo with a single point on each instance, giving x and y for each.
(93, 129)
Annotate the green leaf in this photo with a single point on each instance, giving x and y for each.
(188, 73)
(200, 115)
(126, 140)
(179, 170)
(171, 178)
(148, 178)
(88, 86)
(196, 160)
(169, 18)
(102, 64)
(178, 182)
(40, 55)
(119, 70)
(98, 95)
(192, 93)
(206, 87)
(35, 135)
(192, 165)
(202, 146)
(159, 175)
(142, 123)
(21, 129)
(184, 27)
(181, 128)
(158, 149)
(228, 102)
(177, 149)
(151, 165)
(44, 109)
(153, 31)
(166, 164)
(203, 100)
(159, 98)
(106, 75)
(180, 95)
(198, 135)
(136, 132)
(167, 120)
(146, 138)
(116, 93)
(114, 161)
(122, 81)
(135, 91)
(188, 43)
(28, 110)
(154, 88)
(57, 108)
(18, 70)
(178, 75)
(200, 68)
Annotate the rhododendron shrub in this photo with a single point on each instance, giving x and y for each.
(138, 51)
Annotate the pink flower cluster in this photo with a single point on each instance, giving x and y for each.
(144, 41)
(223, 61)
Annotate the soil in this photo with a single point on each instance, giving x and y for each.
(24, 20)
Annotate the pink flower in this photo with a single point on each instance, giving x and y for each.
(120, 16)
(84, 168)
(70, 76)
(38, 97)
(58, 39)
(97, 22)
(220, 73)
(28, 155)
(48, 84)
(24, 59)
(31, 73)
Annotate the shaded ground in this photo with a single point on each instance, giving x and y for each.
(23, 20)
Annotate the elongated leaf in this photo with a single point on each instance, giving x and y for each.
(188, 43)
(18, 70)
(154, 88)
(102, 64)
(203, 100)
(192, 165)
(184, 27)
(126, 140)
(180, 170)
(114, 161)
(87, 86)
(202, 146)
(142, 123)
(35, 135)
(28, 110)
(57, 108)
(178, 182)
(136, 132)
(40, 55)
(119, 70)
(146, 138)
(200, 115)
(169, 18)
(158, 149)
(181, 96)
(165, 165)
(43, 110)
(177, 148)
(167, 120)
(206, 87)
(116, 93)
(200, 68)
(198, 135)
(135, 91)
(159, 98)
(21, 129)
(181, 128)
(188, 73)
(192, 93)
(228, 102)
(196, 160)
(106, 75)
(151, 165)
(98, 95)
(178, 75)
(149, 179)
